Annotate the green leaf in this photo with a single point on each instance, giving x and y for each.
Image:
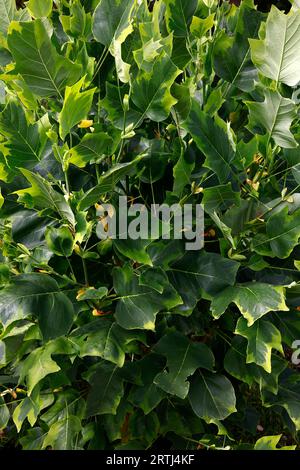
(200, 26)
(43, 69)
(289, 325)
(22, 147)
(154, 277)
(201, 272)
(235, 364)
(38, 295)
(37, 366)
(90, 293)
(139, 305)
(283, 233)
(231, 54)
(39, 8)
(41, 196)
(277, 55)
(76, 107)
(67, 403)
(262, 337)
(254, 299)
(270, 443)
(183, 358)
(107, 182)
(151, 91)
(134, 249)
(274, 115)
(287, 396)
(106, 389)
(63, 434)
(92, 148)
(218, 198)
(146, 395)
(112, 21)
(60, 240)
(212, 396)
(182, 172)
(212, 140)
(4, 414)
(113, 105)
(30, 407)
(33, 439)
(179, 14)
(106, 339)
(9, 12)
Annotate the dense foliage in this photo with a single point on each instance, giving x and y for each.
(131, 344)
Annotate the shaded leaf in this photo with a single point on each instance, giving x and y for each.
(183, 358)
(212, 396)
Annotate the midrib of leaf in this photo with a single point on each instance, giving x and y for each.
(36, 48)
(211, 395)
(28, 144)
(163, 85)
(275, 117)
(284, 324)
(282, 53)
(182, 363)
(120, 22)
(109, 381)
(21, 297)
(6, 11)
(275, 238)
(194, 274)
(184, 18)
(49, 75)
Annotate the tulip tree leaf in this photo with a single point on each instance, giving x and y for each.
(76, 107)
(194, 274)
(182, 361)
(139, 305)
(262, 336)
(179, 14)
(62, 434)
(112, 23)
(23, 140)
(274, 115)
(43, 69)
(254, 299)
(235, 364)
(270, 443)
(40, 9)
(4, 414)
(106, 389)
(107, 182)
(212, 396)
(200, 26)
(37, 295)
(231, 54)
(287, 396)
(112, 20)
(106, 339)
(9, 12)
(283, 232)
(277, 55)
(212, 140)
(41, 196)
(151, 91)
(92, 147)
